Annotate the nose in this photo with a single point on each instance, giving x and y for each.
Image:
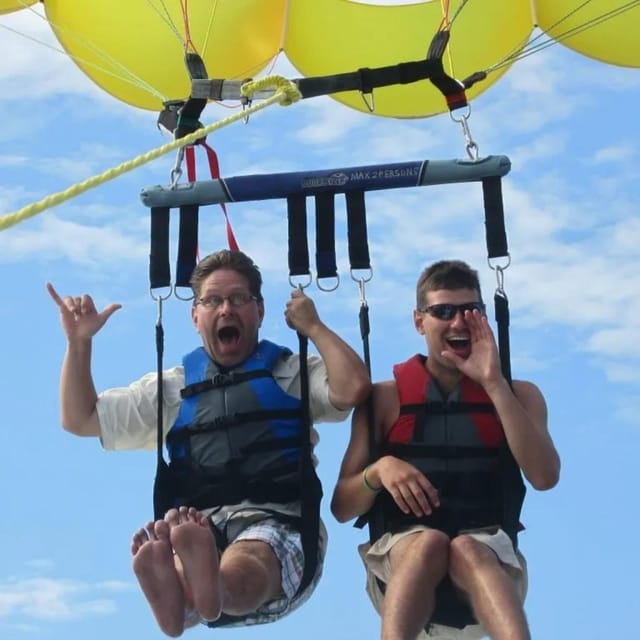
(458, 318)
(225, 305)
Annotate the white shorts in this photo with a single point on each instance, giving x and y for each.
(377, 561)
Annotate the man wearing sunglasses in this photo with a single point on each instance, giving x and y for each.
(241, 478)
(444, 491)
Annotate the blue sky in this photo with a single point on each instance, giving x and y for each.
(569, 126)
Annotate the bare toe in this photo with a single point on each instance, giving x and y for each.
(156, 572)
(172, 517)
(161, 531)
(196, 548)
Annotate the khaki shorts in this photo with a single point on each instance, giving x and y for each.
(377, 561)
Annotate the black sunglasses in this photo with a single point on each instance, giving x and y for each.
(448, 311)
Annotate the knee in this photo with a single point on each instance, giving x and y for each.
(430, 544)
(467, 555)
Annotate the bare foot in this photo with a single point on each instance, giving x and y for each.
(156, 572)
(195, 546)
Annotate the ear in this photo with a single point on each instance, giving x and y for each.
(417, 322)
(261, 312)
(194, 316)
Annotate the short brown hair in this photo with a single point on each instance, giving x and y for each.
(226, 259)
(446, 274)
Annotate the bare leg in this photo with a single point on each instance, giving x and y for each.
(156, 572)
(197, 560)
(418, 563)
(476, 570)
(251, 576)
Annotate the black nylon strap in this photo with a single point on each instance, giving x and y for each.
(502, 320)
(233, 420)
(159, 269)
(440, 451)
(326, 266)
(365, 79)
(298, 245)
(222, 380)
(310, 489)
(189, 114)
(442, 408)
(162, 486)
(357, 231)
(496, 234)
(187, 244)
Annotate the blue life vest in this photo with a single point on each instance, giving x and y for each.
(237, 435)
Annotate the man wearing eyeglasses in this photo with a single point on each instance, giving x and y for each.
(232, 421)
(443, 495)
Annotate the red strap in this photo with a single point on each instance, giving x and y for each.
(214, 169)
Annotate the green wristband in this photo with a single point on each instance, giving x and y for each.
(366, 484)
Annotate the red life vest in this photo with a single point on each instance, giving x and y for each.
(457, 441)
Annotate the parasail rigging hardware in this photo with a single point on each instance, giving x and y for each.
(322, 186)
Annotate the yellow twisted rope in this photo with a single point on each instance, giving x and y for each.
(286, 93)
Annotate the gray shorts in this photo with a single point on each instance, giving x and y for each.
(285, 541)
(377, 561)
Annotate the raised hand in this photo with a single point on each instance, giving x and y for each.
(409, 487)
(301, 313)
(483, 363)
(78, 315)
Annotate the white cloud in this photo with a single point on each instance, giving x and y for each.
(55, 599)
(107, 247)
(614, 154)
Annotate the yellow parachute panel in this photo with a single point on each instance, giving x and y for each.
(7, 6)
(612, 30)
(136, 52)
(334, 36)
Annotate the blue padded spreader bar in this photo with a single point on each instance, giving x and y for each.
(366, 178)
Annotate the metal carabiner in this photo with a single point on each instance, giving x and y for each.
(176, 172)
(470, 145)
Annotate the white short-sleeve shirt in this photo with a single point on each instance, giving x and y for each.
(128, 415)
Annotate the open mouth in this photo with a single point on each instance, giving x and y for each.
(228, 335)
(458, 343)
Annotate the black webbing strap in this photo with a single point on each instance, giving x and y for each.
(502, 320)
(222, 380)
(162, 485)
(357, 231)
(453, 90)
(189, 114)
(496, 237)
(326, 266)
(310, 488)
(366, 79)
(437, 408)
(187, 244)
(298, 245)
(496, 234)
(513, 485)
(159, 269)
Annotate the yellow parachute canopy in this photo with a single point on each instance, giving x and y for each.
(137, 53)
(7, 6)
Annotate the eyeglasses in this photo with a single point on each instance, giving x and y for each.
(235, 300)
(447, 311)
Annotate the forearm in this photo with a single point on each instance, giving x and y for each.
(349, 382)
(527, 436)
(352, 497)
(78, 396)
